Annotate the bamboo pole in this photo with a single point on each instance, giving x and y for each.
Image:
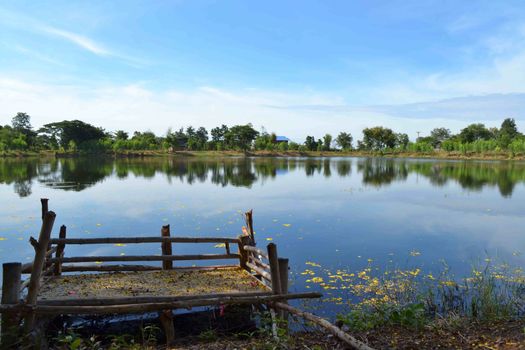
(12, 274)
(166, 247)
(147, 307)
(60, 250)
(38, 264)
(274, 268)
(134, 240)
(345, 337)
(145, 258)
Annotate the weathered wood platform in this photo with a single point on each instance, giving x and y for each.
(173, 283)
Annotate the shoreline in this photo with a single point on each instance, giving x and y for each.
(308, 154)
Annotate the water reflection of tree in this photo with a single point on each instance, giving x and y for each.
(382, 171)
(77, 174)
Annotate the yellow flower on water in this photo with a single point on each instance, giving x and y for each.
(317, 279)
(312, 264)
(415, 272)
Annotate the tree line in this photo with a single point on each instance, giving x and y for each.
(75, 135)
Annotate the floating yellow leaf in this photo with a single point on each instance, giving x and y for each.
(269, 239)
(98, 225)
(3, 238)
(98, 262)
(220, 245)
(119, 245)
(287, 225)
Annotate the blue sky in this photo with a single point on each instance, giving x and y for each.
(295, 67)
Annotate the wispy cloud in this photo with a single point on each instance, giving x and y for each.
(78, 40)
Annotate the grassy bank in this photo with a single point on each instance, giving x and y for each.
(210, 154)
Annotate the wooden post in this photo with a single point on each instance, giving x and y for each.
(274, 268)
(45, 207)
(166, 321)
(166, 316)
(166, 248)
(38, 264)
(12, 275)
(60, 251)
(283, 272)
(249, 224)
(243, 254)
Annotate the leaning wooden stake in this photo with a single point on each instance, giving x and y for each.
(38, 264)
(166, 248)
(45, 206)
(243, 253)
(60, 251)
(249, 224)
(345, 337)
(11, 278)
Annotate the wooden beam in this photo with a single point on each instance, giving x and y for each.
(147, 307)
(133, 240)
(260, 271)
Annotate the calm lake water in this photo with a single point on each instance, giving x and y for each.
(336, 212)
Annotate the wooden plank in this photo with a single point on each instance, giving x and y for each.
(134, 240)
(113, 268)
(145, 258)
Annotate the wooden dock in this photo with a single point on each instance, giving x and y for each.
(59, 284)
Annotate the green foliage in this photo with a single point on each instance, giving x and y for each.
(75, 130)
(378, 138)
(474, 132)
(344, 140)
(327, 142)
(361, 319)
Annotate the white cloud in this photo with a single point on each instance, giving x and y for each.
(134, 107)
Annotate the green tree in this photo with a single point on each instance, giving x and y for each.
(310, 143)
(72, 130)
(378, 138)
(507, 132)
(121, 135)
(240, 137)
(402, 140)
(439, 135)
(327, 142)
(344, 140)
(474, 132)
